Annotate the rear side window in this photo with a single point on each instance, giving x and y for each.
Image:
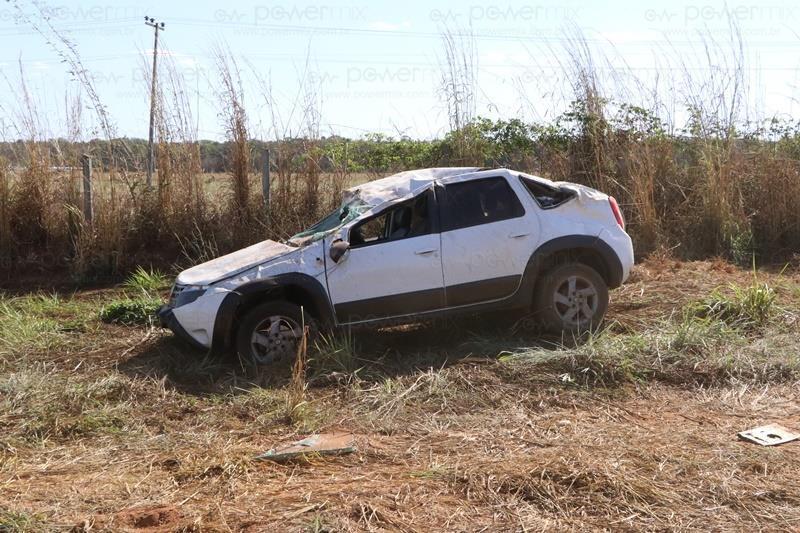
(482, 201)
(545, 195)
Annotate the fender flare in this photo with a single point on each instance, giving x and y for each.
(270, 288)
(539, 258)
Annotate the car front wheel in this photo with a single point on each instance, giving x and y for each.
(270, 332)
(571, 297)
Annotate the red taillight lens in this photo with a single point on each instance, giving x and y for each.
(617, 212)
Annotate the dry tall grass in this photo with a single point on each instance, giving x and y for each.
(234, 117)
(5, 205)
(724, 184)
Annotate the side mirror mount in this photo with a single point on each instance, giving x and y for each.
(338, 248)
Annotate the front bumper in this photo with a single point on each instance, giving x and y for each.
(166, 319)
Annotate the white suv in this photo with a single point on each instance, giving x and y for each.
(417, 244)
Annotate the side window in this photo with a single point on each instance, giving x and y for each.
(409, 219)
(545, 195)
(470, 203)
(370, 231)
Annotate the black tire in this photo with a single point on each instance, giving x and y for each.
(280, 325)
(565, 306)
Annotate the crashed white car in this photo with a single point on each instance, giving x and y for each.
(418, 244)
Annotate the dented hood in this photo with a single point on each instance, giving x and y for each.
(233, 263)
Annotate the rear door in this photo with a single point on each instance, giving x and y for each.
(394, 264)
(487, 239)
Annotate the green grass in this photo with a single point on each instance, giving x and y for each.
(41, 322)
(697, 349)
(142, 299)
(606, 359)
(698, 336)
(38, 322)
(12, 521)
(131, 311)
(46, 405)
(19, 330)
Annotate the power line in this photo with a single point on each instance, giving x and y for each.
(493, 36)
(69, 27)
(415, 64)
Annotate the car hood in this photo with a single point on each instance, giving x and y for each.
(233, 263)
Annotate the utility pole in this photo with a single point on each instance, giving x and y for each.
(157, 26)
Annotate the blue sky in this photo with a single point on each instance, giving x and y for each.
(377, 67)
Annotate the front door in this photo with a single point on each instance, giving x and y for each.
(487, 239)
(393, 267)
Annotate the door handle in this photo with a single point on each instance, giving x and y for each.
(518, 235)
(424, 252)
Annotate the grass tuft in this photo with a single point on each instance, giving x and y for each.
(747, 308)
(296, 403)
(147, 282)
(607, 360)
(334, 354)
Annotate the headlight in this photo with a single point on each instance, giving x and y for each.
(185, 294)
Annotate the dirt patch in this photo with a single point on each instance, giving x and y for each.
(149, 517)
(152, 518)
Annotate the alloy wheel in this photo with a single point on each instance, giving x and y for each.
(275, 338)
(576, 301)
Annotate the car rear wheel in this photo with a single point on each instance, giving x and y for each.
(571, 297)
(270, 332)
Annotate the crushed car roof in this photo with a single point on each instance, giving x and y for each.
(403, 183)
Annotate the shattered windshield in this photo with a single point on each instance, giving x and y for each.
(350, 209)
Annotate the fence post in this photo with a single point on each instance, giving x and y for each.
(88, 210)
(265, 181)
(345, 157)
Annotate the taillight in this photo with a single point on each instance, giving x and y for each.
(616, 211)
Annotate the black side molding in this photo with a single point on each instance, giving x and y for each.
(382, 307)
(481, 291)
(291, 286)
